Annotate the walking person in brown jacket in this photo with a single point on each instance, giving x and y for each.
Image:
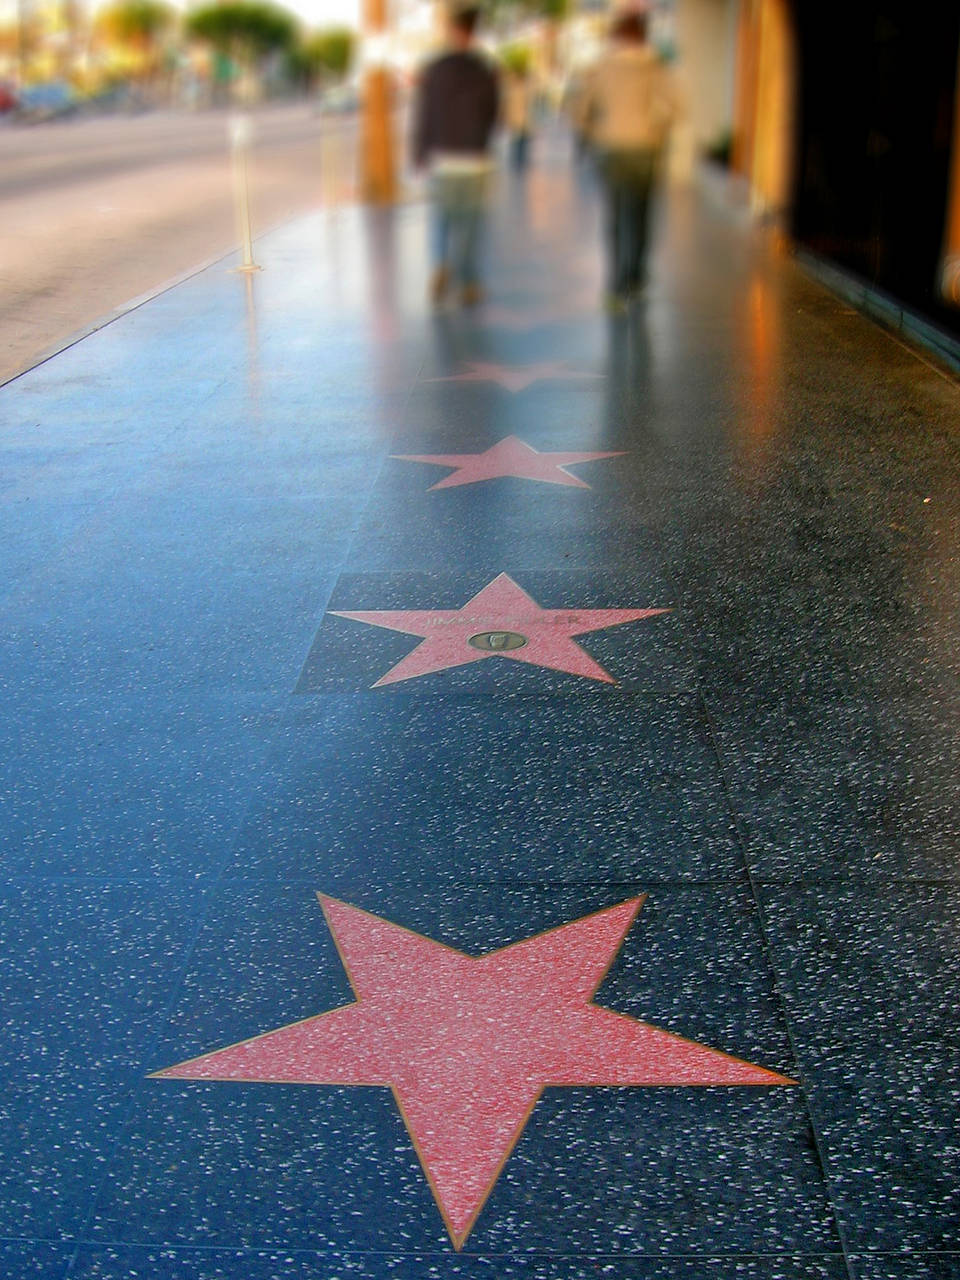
(628, 104)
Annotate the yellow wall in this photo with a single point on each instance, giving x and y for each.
(950, 275)
(705, 32)
(765, 101)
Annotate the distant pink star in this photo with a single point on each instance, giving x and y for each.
(469, 1043)
(509, 457)
(515, 377)
(501, 621)
(523, 319)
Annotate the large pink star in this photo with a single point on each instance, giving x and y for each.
(509, 457)
(500, 621)
(468, 1044)
(515, 377)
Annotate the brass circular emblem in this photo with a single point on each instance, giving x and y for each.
(497, 641)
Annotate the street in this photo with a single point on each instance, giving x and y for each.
(96, 212)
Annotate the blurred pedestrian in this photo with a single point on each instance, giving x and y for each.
(454, 118)
(517, 112)
(629, 103)
(573, 105)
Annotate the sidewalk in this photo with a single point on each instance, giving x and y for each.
(663, 689)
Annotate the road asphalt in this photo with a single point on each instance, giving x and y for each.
(96, 212)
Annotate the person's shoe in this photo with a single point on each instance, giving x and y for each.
(439, 284)
(471, 295)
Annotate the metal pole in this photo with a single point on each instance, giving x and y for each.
(241, 133)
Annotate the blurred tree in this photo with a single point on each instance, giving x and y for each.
(517, 58)
(331, 52)
(137, 22)
(140, 26)
(507, 15)
(514, 11)
(244, 29)
(555, 13)
(243, 34)
(325, 55)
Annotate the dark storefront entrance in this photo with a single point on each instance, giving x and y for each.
(878, 83)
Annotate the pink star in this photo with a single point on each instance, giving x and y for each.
(501, 621)
(510, 457)
(468, 1043)
(514, 377)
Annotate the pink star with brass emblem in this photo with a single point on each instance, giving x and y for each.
(515, 377)
(468, 1043)
(501, 621)
(509, 457)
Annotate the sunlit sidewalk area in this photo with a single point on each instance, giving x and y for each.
(480, 784)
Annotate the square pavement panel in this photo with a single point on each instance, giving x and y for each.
(237, 1158)
(103, 391)
(525, 789)
(220, 516)
(87, 972)
(453, 425)
(802, 778)
(743, 634)
(530, 513)
(870, 979)
(755, 644)
(489, 350)
(918, 771)
(827, 789)
(34, 1259)
(127, 786)
(173, 595)
(499, 632)
(101, 1263)
(469, 414)
(37, 529)
(918, 1266)
(326, 454)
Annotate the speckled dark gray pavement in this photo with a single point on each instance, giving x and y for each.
(625, 764)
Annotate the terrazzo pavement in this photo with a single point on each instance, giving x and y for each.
(194, 749)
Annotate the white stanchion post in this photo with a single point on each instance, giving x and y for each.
(241, 134)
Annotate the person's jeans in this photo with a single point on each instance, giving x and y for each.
(459, 202)
(629, 178)
(519, 149)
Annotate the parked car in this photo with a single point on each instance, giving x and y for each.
(116, 98)
(47, 101)
(340, 99)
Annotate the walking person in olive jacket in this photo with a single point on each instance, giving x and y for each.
(628, 104)
(456, 112)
